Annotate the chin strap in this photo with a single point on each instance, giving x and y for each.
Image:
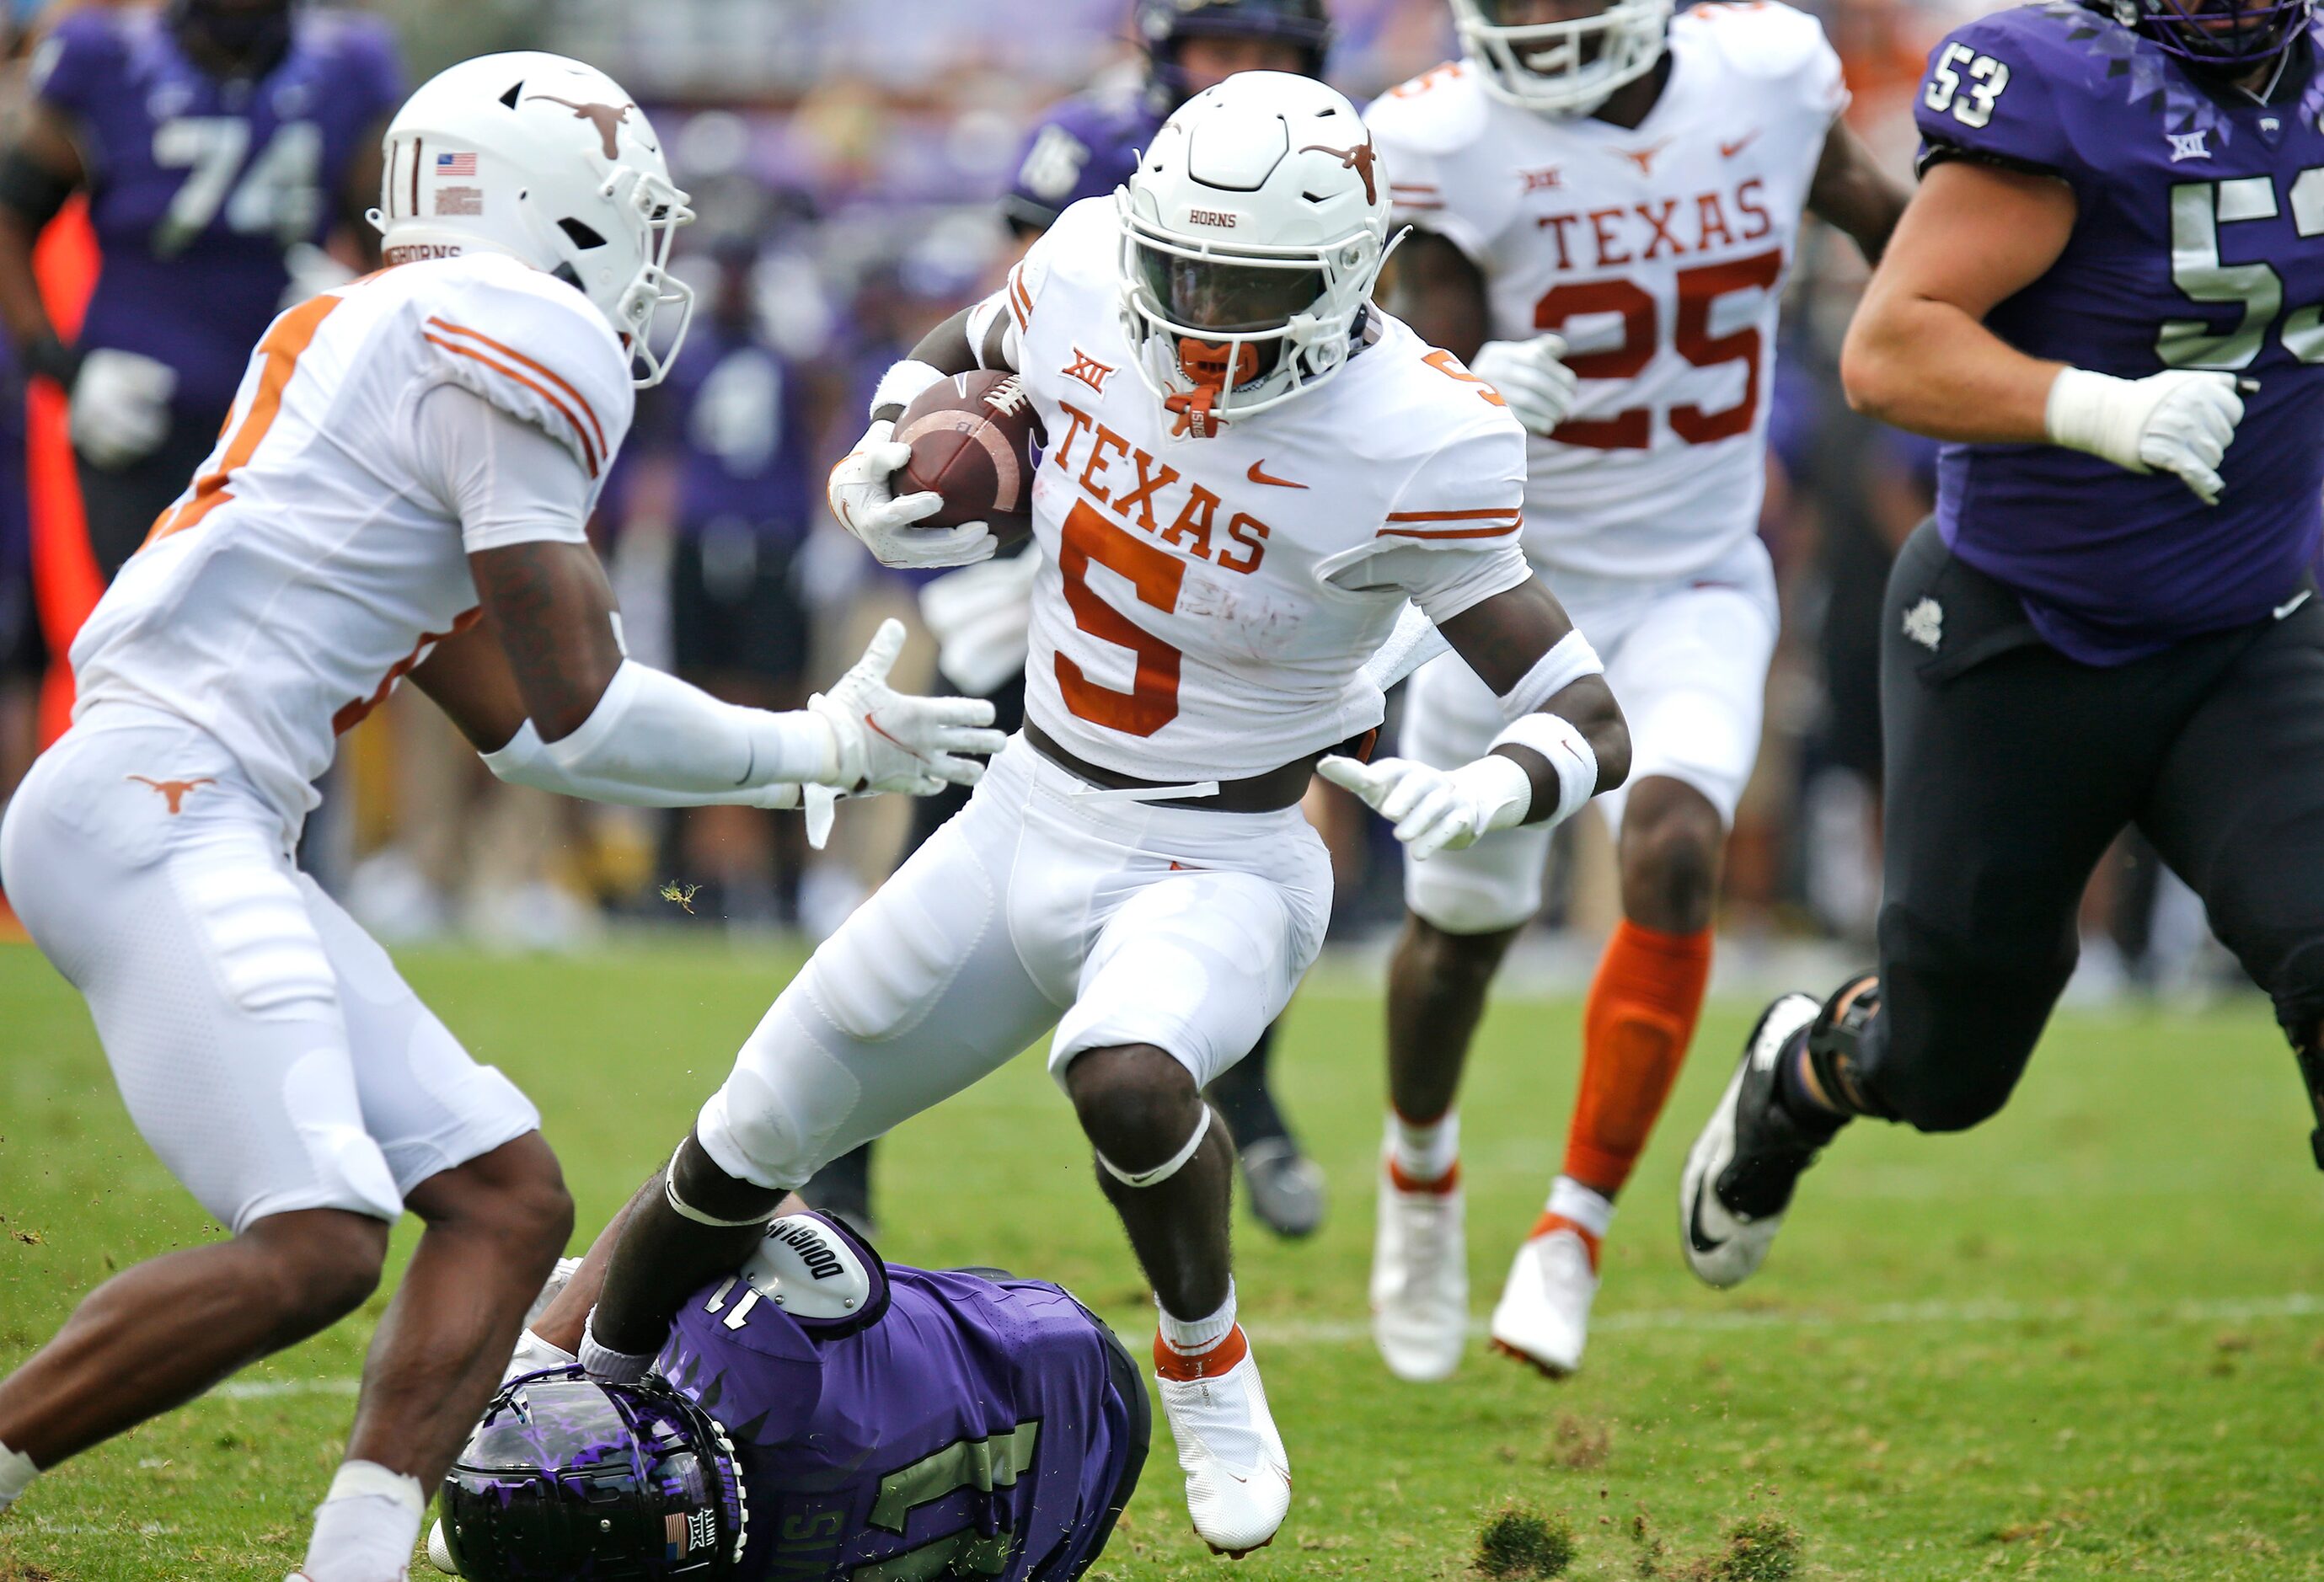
(1193, 409)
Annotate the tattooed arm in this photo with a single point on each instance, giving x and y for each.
(552, 611)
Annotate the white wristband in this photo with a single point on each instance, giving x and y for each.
(901, 385)
(1569, 752)
(1569, 659)
(2097, 413)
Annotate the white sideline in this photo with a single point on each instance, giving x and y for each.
(1338, 1332)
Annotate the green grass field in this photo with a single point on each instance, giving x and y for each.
(2082, 1342)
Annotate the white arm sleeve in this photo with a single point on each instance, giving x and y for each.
(504, 481)
(651, 732)
(525, 761)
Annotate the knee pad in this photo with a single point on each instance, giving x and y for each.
(770, 1127)
(1168, 1167)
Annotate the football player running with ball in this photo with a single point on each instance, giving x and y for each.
(401, 489)
(1085, 147)
(1250, 471)
(2108, 298)
(1606, 201)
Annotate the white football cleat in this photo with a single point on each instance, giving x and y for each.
(1740, 1173)
(1543, 1317)
(1420, 1276)
(1238, 1475)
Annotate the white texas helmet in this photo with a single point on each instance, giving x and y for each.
(547, 160)
(1561, 68)
(1252, 234)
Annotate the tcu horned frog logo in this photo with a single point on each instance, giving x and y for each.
(606, 118)
(1363, 160)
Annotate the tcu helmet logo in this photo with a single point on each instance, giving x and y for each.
(174, 791)
(606, 118)
(1363, 160)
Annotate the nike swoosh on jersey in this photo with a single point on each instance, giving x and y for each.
(1729, 150)
(1258, 476)
(2294, 603)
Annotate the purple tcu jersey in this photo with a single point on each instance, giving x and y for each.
(197, 186)
(1084, 147)
(941, 1425)
(736, 417)
(2194, 246)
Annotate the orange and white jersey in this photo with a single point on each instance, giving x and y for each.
(320, 552)
(1659, 253)
(1205, 606)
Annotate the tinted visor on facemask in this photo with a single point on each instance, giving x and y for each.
(1231, 299)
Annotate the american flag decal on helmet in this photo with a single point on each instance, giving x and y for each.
(455, 164)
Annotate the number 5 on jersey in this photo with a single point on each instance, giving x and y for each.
(1152, 699)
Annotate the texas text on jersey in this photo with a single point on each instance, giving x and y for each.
(1194, 587)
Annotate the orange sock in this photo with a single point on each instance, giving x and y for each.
(1641, 1017)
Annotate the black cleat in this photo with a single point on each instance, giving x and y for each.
(1740, 1172)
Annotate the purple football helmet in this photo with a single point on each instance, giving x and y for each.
(1164, 24)
(2227, 36)
(570, 1477)
(242, 38)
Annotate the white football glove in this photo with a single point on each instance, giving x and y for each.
(2180, 422)
(862, 497)
(889, 741)
(120, 411)
(1532, 377)
(1437, 810)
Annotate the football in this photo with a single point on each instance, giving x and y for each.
(973, 437)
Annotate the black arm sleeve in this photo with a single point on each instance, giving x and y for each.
(30, 190)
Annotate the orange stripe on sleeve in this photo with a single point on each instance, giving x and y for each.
(1453, 515)
(285, 343)
(1020, 303)
(1497, 532)
(588, 452)
(551, 374)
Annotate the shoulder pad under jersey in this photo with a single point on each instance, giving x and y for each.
(819, 1273)
(530, 345)
(2014, 87)
(1441, 112)
(1763, 38)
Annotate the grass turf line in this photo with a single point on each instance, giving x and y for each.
(2080, 1341)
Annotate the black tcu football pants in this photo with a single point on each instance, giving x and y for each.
(120, 504)
(2010, 770)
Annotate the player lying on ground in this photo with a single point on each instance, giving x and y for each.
(982, 615)
(1250, 472)
(2112, 618)
(402, 490)
(843, 1417)
(1598, 167)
